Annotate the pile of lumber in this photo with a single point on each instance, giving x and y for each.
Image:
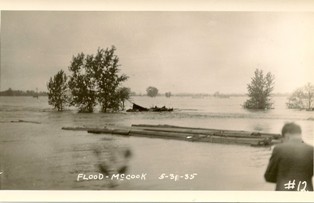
(190, 134)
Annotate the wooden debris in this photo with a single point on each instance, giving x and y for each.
(81, 128)
(24, 121)
(206, 131)
(189, 134)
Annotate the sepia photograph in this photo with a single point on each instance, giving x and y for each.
(157, 100)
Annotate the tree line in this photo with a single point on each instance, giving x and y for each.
(31, 93)
(96, 80)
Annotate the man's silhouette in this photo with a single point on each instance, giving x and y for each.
(291, 163)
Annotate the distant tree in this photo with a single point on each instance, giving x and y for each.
(295, 101)
(152, 91)
(124, 94)
(168, 94)
(57, 91)
(133, 93)
(216, 94)
(302, 98)
(104, 67)
(309, 94)
(10, 92)
(82, 84)
(259, 91)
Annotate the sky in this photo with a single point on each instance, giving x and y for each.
(181, 52)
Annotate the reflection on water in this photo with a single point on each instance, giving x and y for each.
(42, 156)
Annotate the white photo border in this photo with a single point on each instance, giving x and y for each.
(167, 195)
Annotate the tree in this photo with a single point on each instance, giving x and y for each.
(302, 98)
(81, 84)
(152, 91)
(217, 94)
(168, 94)
(104, 67)
(96, 78)
(259, 91)
(309, 95)
(124, 94)
(10, 92)
(57, 87)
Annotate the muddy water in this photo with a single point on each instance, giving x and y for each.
(40, 156)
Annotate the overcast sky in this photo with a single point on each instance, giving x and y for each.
(195, 52)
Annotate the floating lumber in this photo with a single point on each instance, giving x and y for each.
(202, 132)
(110, 131)
(119, 131)
(201, 137)
(152, 134)
(205, 131)
(81, 128)
(188, 134)
(24, 121)
(192, 134)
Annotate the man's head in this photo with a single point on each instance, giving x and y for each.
(291, 130)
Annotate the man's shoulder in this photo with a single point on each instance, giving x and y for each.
(281, 146)
(286, 146)
(309, 147)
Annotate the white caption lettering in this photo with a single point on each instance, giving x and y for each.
(100, 176)
(177, 177)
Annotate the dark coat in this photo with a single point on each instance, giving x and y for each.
(292, 161)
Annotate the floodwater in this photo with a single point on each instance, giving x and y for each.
(40, 156)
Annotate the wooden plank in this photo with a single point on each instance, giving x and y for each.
(24, 121)
(140, 132)
(234, 140)
(118, 131)
(200, 138)
(201, 132)
(80, 128)
(100, 131)
(186, 129)
(207, 131)
(197, 135)
(121, 131)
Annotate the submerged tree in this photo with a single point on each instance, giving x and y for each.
(168, 94)
(96, 78)
(81, 84)
(259, 91)
(309, 95)
(104, 67)
(57, 87)
(302, 98)
(152, 91)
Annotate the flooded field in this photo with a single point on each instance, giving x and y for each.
(40, 156)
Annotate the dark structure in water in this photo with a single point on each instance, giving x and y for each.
(138, 108)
